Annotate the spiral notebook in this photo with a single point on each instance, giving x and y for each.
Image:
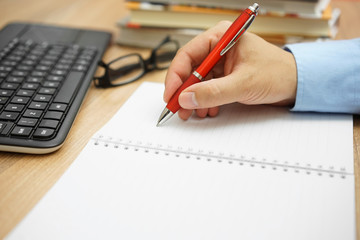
(253, 172)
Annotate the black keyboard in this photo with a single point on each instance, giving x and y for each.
(43, 80)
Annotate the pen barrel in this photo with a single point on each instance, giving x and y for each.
(173, 105)
(215, 55)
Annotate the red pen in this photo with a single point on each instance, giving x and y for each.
(229, 39)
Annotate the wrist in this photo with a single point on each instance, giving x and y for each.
(289, 79)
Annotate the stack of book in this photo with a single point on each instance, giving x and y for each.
(279, 21)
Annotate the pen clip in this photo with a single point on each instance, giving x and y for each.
(236, 37)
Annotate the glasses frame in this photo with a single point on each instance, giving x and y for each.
(147, 66)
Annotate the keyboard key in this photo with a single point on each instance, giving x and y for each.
(55, 52)
(85, 57)
(59, 72)
(32, 113)
(20, 100)
(49, 91)
(18, 73)
(13, 58)
(69, 56)
(6, 93)
(14, 108)
(19, 52)
(43, 133)
(9, 63)
(10, 86)
(28, 62)
(12, 79)
(51, 84)
(3, 74)
(49, 123)
(6, 128)
(34, 79)
(29, 43)
(62, 66)
(46, 62)
(58, 107)
(10, 116)
(69, 87)
(2, 126)
(38, 105)
(5, 69)
(53, 115)
(42, 98)
(82, 62)
(55, 78)
(3, 100)
(21, 131)
(34, 58)
(66, 61)
(24, 67)
(42, 68)
(30, 122)
(25, 93)
(31, 86)
(51, 57)
(37, 52)
(79, 67)
(38, 74)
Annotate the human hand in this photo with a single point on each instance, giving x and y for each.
(252, 72)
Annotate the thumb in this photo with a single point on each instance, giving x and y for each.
(208, 94)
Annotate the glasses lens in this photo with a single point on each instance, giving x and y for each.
(165, 53)
(126, 69)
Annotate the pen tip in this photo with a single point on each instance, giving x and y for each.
(164, 116)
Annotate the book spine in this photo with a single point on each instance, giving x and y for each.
(305, 9)
(325, 14)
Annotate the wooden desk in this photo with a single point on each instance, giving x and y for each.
(24, 179)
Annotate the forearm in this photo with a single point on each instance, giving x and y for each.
(328, 75)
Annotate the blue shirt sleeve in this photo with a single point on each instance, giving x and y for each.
(328, 75)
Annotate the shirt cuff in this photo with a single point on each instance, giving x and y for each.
(328, 75)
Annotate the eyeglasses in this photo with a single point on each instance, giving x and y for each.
(129, 68)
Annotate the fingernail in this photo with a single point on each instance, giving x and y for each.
(188, 100)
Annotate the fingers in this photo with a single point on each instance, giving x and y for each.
(202, 113)
(190, 56)
(209, 94)
(184, 114)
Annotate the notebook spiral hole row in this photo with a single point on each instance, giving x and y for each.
(221, 158)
